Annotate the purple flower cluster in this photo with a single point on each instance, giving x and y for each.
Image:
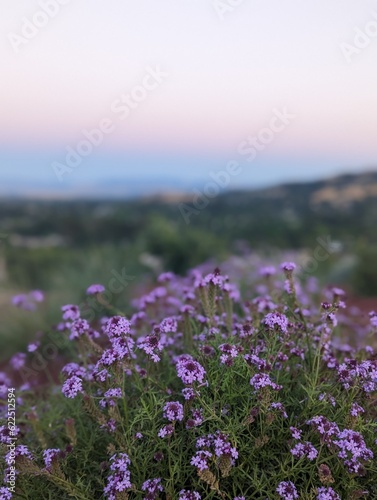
(29, 301)
(277, 321)
(213, 446)
(173, 412)
(364, 374)
(72, 387)
(305, 450)
(152, 345)
(120, 479)
(287, 491)
(152, 487)
(49, 456)
(327, 494)
(110, 397)
(261, 380)
(189, 495)
(353, 450)
(190, 371)
(230, 352)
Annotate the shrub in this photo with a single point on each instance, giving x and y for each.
(205, 394)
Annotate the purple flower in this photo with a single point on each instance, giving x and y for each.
(229, 353)
(327, 494)
(5, 494)
(169, 325)
(279, 407)
(70, 312)
(356, 410)
(18, 360)
(173, 412)
(117, 326)
(200, 460)
(79, 327)
(261, 380)
(33, 346)
(287, 490)
(95, 289)
(72, 387)
(49, 456)
(152, 345)
(296, 433)
(152, 487)
(37, 295)
(305, 450)
(166, 431)
(189, 495)
(120, 479)
(110, 396)
(353, 450)
(267, 271)
(277, 321)
(288, 267)
(190, 371)
(188, 393)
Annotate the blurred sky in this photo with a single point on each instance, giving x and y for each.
(225, 77)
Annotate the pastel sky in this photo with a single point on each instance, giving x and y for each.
(226, 77)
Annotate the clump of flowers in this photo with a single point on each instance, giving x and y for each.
(216, 384)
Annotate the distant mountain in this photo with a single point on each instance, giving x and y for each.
(340, 192)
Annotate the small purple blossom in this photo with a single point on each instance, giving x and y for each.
(305, 450)
(261, 380)
(72, 387)
(287, 491)
(173, 412)
(356, 410)
(117, 326)
(327, 494)
(166, 431)
(70, 312)
(189, 495)
(190, 371)
(152, 487)
(277, 321)
(120, 479)
(95, 289)
(49, 456)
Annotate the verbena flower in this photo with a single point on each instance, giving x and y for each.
(327, 494)
(261, 380)
(72, 387)
(190, 371)
(95, 289)
(70, 312)
(305, 450)
(152, 487)
(120, 479)
(173, 412)
(5, 494)
(117, 326)
(287, 490)
(166, 431)
(189, 495)
(277, 321)
(49, 456)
